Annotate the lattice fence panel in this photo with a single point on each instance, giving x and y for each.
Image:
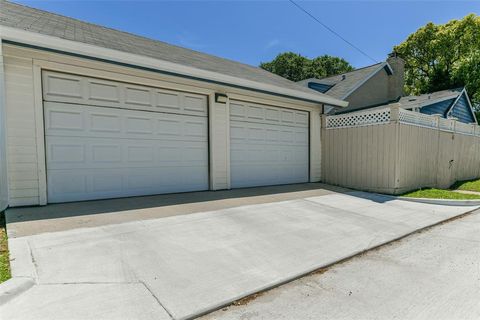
(358, 119)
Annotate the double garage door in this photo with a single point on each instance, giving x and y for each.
(107, 139)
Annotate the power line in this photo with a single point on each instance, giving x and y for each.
(332, 31)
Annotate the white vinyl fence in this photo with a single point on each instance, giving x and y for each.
(392, 150)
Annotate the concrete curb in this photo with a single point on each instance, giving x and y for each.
(22, 269)
(443, 202)
(315, 268)
(13, 287)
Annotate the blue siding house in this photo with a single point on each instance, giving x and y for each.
(438, 107)
(452, 103)
(381, 84)
(462, 110)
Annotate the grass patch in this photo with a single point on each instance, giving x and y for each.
(440, 194)
(470, 185)
(4, 257)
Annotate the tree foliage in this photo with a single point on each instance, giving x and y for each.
(296, 67)
(443, 56)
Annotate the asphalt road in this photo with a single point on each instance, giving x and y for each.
(434, 274)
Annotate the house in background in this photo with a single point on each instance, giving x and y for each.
(364, 87)
(452, 103)
(382, 83)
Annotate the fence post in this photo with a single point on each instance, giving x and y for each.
(394, 112)
(395, 123)
(453, 171)
(324, 152)
(476, 135)
(437, 120)
(437, 158)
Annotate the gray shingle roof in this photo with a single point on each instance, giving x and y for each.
(427, 99)
(343, 83)
(46, 23)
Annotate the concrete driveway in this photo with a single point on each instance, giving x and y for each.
(430, 275)
(185, 265)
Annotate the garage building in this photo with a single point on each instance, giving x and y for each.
(89, 112)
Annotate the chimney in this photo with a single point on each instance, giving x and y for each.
(397, 80)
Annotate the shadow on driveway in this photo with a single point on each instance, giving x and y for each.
(64, 216)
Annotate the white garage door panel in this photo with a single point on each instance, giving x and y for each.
(63, 119)
(102, 152)
(268, 145)
(61, 87)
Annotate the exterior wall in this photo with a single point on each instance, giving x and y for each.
(374, 91)
(23, 184)
(24, 114)
(462, 111)
(3, 148)
(219, 118)
(315, 147)
(406, 152)
(437, 108)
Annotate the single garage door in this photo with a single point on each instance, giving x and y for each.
(108, 139)
(269, 145)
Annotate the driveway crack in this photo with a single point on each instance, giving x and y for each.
(34, 262)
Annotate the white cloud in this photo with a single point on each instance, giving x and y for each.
(272, 43)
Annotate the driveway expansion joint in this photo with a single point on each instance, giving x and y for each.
(158, 300)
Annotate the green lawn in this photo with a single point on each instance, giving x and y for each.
(4, 259)
(440, 194)
(473, 185)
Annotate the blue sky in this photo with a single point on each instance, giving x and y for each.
(256, 31)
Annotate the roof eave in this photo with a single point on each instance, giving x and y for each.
(429, 103)
(85, 50)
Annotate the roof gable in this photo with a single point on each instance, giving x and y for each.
(462, 109)
(343, 85)
(449, 103)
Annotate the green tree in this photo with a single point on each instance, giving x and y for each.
(443, 56)
(296, 67)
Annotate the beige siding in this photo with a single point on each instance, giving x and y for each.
(315, 147)
(375, 90)
(3, 154)
(219, 145)
(21, 136)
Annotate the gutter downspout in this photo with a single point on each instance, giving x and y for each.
(3, 146)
